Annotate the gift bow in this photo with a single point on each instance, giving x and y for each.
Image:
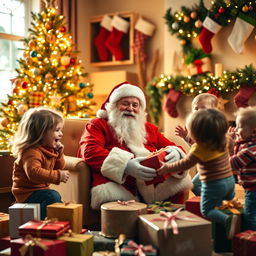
(3, 215)
(46, 222)
(30, 242)
(139, 249)
(170, 218)
(248, 236)
(235, 204)
(125, 202)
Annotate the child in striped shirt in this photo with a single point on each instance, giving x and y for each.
(243, 160)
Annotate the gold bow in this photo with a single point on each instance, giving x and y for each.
(30, 242)
(235, 204)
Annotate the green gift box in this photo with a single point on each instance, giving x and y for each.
(132, 248)
(167, 206)
(78, 244)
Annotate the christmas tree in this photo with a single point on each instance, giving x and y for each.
(50, 74)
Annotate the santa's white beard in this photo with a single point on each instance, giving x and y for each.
(129, 130)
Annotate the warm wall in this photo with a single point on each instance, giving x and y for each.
(152, 10)
(222, 53)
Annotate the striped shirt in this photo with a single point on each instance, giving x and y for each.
(244, 161)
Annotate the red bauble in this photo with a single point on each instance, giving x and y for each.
(62, 29)
(72, 61)
(221, 10)
(24, 85)
(10, 102)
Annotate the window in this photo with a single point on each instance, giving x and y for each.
(14, 23)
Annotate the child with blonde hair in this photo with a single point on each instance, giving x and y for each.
(243, 160)
(201, 101)
(39, 158)
(208, 129)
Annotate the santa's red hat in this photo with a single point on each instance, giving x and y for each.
(120, 91)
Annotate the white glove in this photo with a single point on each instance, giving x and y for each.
(173, 154)
(135, 169)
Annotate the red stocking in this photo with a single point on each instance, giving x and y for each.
(171, 102)
(143, 30)
(101, 38)
(119, 28)
(242, 97)
(210, 28)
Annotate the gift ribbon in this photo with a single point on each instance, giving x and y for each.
(30, 242)
(170, 218)
(126, 203)
(139, 249)
(198, 63)
(248, 236)
(67, 203)
(232, 205)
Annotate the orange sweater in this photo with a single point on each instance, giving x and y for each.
(35, 170)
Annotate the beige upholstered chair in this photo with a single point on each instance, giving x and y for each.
(77, 189)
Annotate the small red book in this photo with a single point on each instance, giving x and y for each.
(154, 161)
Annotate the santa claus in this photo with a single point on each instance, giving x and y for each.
(114, 144)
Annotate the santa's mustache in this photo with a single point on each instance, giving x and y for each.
(127, 113)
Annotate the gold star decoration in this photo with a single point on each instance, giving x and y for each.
(221, 103)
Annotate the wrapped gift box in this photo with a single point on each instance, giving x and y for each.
(154, 161)
(4, 224)
(102, 243)
(38, 247)
(167, 206)
(20, 214)
(193, 205)
(220, 241)
(78, 245)
(67, 212)
(46, 228)
(132, 248)
(244, 244)
(5, 252)
(200, 66)
(121, 217)
(4, 242)
(186, 242)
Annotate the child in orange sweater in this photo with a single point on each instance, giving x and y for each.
(39, 158)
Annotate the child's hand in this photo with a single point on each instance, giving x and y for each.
(163, 169)
(64, 176)
(180, 131)
(232, 132)
(59, 147)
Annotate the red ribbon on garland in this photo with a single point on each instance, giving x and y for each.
(198, 63)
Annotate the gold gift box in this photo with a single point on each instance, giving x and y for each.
(193, 238)
(77, 244)
(205, 67)
(4, 224)
(67, 212)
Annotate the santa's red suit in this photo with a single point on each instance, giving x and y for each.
(108, 158)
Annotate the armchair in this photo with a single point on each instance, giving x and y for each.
(77, 189)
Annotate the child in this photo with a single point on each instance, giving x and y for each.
(208, 128)
(201, 101)
(244, 160)
(39, 154)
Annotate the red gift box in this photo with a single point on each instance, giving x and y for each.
(46, 228)
(154, 161)
(244, 243)
(193, 205)
(38, 247)
(4, 242)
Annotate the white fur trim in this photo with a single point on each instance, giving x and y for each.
(101, 113)
(109, 192)
(128, 90)
(164, 190)
(145, 27)
(114, 165)
(211, 25)
(120, 24)
(106, 22)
